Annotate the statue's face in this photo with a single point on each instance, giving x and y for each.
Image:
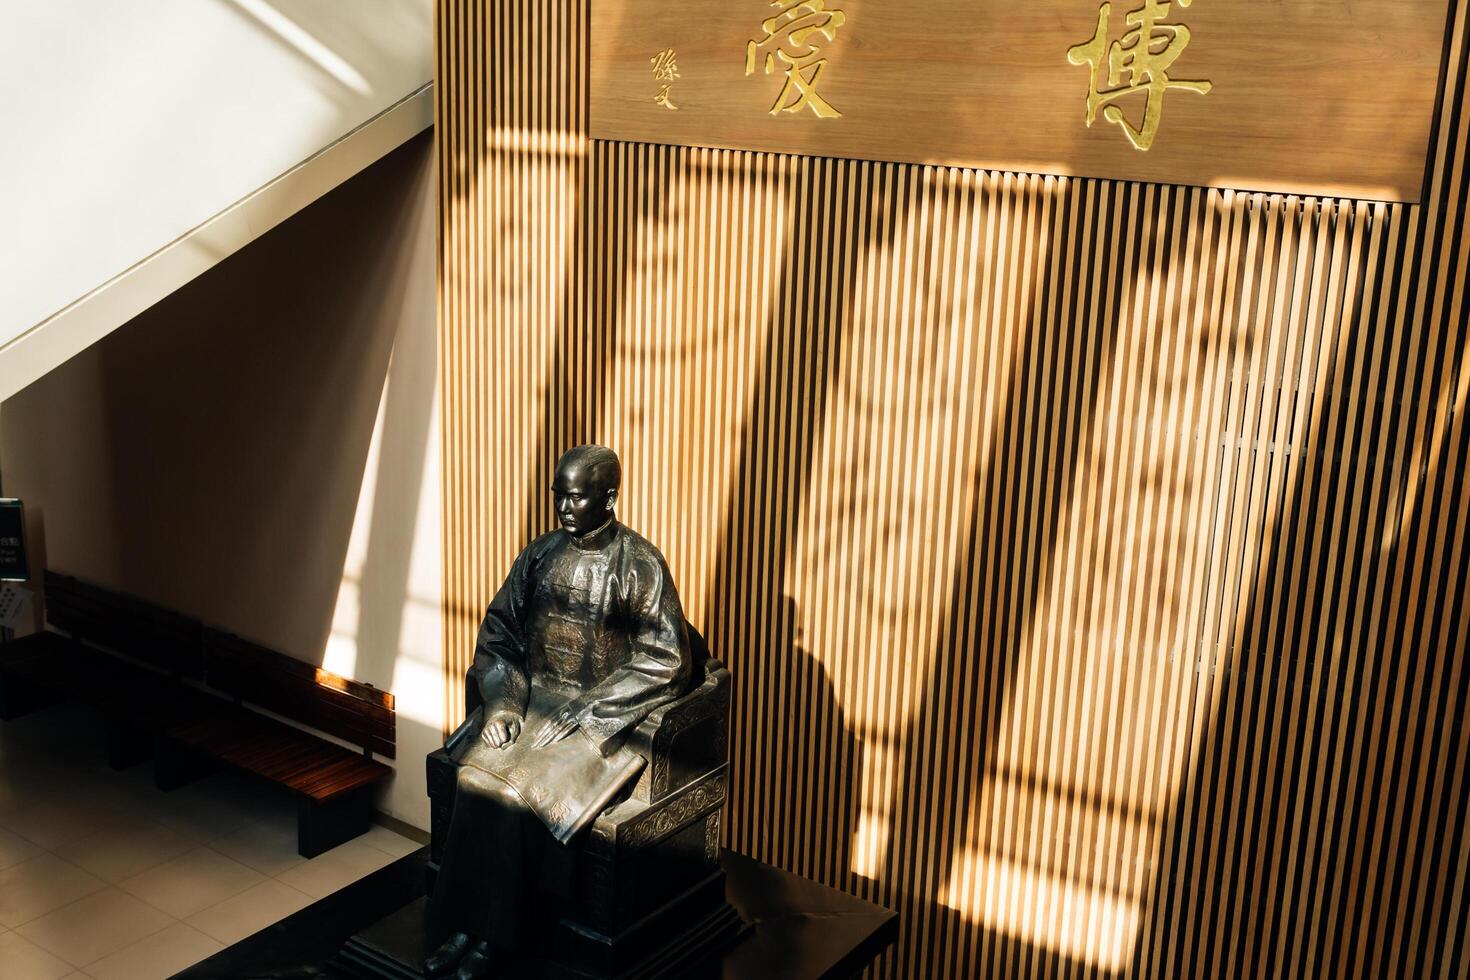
(583, 502)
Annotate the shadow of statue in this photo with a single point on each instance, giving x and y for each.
(800, 784)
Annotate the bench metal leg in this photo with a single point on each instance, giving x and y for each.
(126, 745)
(174, 765)
(322, 826)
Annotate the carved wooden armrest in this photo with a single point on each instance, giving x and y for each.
(653, 737)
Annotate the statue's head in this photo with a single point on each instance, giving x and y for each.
(585, 490)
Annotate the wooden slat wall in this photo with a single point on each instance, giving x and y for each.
(1089, 556)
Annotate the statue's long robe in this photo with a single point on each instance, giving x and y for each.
(595, 620)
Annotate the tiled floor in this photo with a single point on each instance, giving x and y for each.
(103, 876)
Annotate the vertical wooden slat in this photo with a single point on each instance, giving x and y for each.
(1089, 556)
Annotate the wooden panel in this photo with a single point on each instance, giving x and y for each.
(1309, 97)
(350, 710)
(1088, 556)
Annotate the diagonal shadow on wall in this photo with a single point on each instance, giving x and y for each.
(784, 792)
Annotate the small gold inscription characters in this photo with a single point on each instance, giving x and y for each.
(665, 70)
(793, 40)
(1139, 63)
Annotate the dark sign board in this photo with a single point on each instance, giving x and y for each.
(13, 564)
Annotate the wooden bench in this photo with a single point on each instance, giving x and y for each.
(150, 683)
(19, 695)
(140, 685)
(333, 784)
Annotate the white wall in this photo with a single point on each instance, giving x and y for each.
(260, 449)
(128, 124)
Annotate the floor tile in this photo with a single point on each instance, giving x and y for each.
(156, 957)
(197, 810)
(87, 930)
(11, 795)
(40, 885)
(100, 866)
(56, 821)
(138, 780)
(389, 842)
(21, 959)
(129, 800)
(68, 723)
(269, 849)
(22, 783)
(192, 881)
(337, 868)
(255, 800)
(250, 911)
(126, 850)
(140, 802)
(15, 849)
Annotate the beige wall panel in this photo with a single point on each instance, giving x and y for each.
(1307, 97)
(1088, 555)
(259, 450)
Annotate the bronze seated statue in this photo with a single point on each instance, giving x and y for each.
(576, 812)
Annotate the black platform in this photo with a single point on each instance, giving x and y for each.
(801, 930)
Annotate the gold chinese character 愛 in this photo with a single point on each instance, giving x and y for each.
(665, 69)
(1139, 63)
(793, 40)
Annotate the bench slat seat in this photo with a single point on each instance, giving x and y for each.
(333, 785)
(273, 750)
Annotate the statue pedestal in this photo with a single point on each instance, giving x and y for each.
(693, 931)
(795, 929)
(394, 946)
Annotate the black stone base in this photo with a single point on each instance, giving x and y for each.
(801, 931)
(394, 947)
(684, 940)
(693, 928)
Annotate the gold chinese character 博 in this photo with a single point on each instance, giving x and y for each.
(1138, 63)
(793, 41)
(665, 70)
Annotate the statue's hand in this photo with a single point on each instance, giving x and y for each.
(559, 725)
(501, 730)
